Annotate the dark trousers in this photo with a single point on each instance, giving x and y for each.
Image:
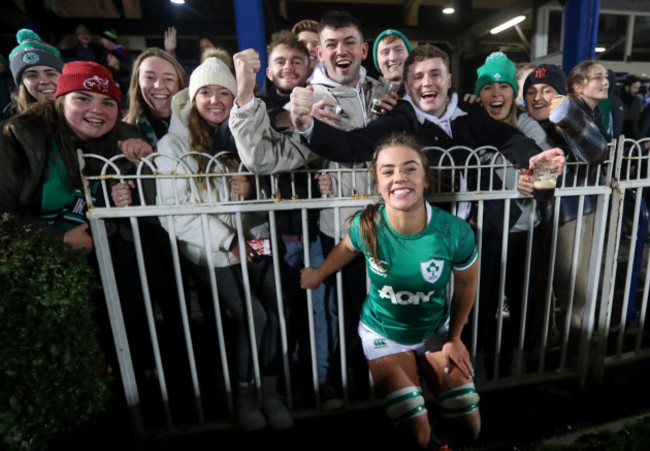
(354, 295)
(232, 300)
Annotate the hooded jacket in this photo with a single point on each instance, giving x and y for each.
(355, 113)
(222, 230)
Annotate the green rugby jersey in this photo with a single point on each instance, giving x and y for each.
(407, 301)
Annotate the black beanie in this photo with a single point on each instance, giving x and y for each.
(548, 74)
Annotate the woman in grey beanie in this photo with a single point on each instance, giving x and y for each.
(35, 66)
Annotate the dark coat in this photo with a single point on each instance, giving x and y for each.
(24, 154)
(474, 129)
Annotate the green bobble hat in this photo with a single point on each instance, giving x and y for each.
(111, 35)
(497, 69)
(381, 36)
(32, 51)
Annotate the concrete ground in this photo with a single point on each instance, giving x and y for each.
(513, 419)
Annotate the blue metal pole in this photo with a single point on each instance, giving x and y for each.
(580, 32)
(249, 20)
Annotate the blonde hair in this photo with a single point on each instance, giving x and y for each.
(305, 25)
(137, 104)
(370, 218)
(23, 98)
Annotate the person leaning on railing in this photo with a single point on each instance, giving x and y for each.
(200, 123)
(265, 143)
(496, 90)
(40, 181)
(573, 123)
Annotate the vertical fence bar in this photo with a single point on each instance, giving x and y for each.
(598, 303)
(109, 284)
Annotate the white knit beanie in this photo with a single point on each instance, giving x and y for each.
(212, 71)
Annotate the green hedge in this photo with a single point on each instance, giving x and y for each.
(53, 376)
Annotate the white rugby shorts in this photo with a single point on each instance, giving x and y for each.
(376, 345)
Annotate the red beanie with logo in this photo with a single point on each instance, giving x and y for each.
(87, 76)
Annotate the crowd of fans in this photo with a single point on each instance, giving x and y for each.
(315, 110)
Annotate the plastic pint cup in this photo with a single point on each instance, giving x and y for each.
(545, 173)
(544, 190)
(384, 90)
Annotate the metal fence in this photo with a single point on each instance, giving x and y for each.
(177, 371)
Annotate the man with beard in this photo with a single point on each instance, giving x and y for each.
(259, 124)
(343, 93)
(632, 106)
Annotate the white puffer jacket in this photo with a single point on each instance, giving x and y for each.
(173, 158)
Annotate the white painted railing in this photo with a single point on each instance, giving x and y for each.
(613, 327)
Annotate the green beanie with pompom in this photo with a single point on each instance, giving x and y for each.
(32, 51)
(497, 69)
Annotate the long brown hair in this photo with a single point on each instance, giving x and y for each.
(201, 135)
(370, 218)
(137, 105)
(579, 75)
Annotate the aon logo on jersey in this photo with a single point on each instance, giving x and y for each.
(404, 297)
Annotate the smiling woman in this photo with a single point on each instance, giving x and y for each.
(588, 84)
(408, 330)
(155, 78)
(40, 181)
(199, 124)
(35, 66)
(90, 115)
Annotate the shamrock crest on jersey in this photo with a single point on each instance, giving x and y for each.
(377, 269)
(432, 269)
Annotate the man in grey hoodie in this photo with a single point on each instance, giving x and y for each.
(340, 82)
(342, 96)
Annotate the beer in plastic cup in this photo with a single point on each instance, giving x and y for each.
(545, 173)
(544, 190)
